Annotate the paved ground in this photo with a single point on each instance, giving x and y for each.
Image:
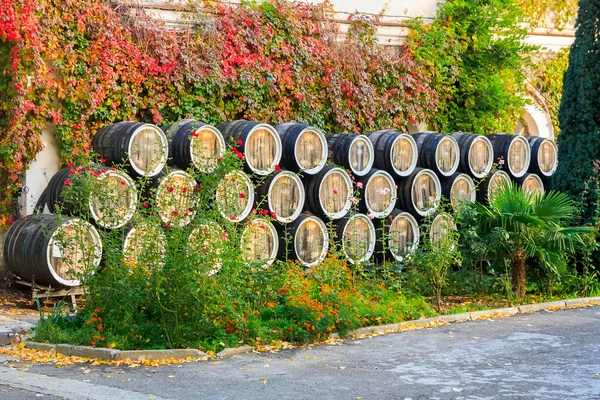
(546, 355)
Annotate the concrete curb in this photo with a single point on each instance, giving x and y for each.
(136, 355)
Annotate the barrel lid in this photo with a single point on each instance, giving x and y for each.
(415, 230)
(123, 183)
(466, 190)
(478, 139)
(347, 203)
(301, 195)
(160, 142)
(199, 144)
(259, 227)
(385, 189)
(223, 191)
(361, 144)
(436, 196)
(402, 137)
(324, 150)
(325, 240)
(255, 130)
(522, 165)
(369, 246)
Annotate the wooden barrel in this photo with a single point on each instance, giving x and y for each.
(396, 153)
(400, 231)
(53, 250)
(441, 225)
(258, 142)
(458, 187)
(356, 238)
(437, 152)
(205, 246)
(145, 245)
(354, 152)
(329, 193)
(378, 193)
(309, 240)
(487, 187)
(544, 156)
(235, 196)
(282, 193)
(259, 243)
(194, 144)
(514, 151)
(304, 148)
(111, 203)
(476, 154)
(174, 196)
(143, 147)
(531, 183)
(419, 192)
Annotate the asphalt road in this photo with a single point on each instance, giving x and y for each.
(546, 355)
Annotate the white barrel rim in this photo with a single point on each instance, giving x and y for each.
(438, 192)
(132, 206)
(193, 142)
(249, 196)
(278, 149)
(497, 173)
(453, 203)
(348, 181)
(555, 148)
(324, 151)
(372, 237)
(415, 158)
(539, 182)
(490, 162)
(369, 144)
(456, 159)
(161, 237)
(393, 193)
(325, 249)
(164, 153)
(519, 174)
(210, 225)
(301, 200)
(416, 233)
(268, 225)
(182, 220)
(52, 241)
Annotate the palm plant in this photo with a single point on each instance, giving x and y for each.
(528, 226)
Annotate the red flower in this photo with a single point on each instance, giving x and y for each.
(123, 183)
(254, 211)
(72, 172)
(167, 226)
(67, 182)
(102, 160)
(219, 158)
(184, 189)
(71, 165)
(273, 215)
(335, 191)
(170, 188)
(175, 212)
(190, 209)
(99, 327)
(241, 156)
(277, 167)
(242, 195)
(240, 142)
(95, 173)
(18, 87)
(145, 205)
(75, 126)
(194, 134)
(92, 343)
(232, 218)
(197, 188)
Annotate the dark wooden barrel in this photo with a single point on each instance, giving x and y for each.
(260, 144)
(419, 192)
(194, 144)
(514, 151)
(531, 183)
(487, 187)
(304, 148)
(174, 196)
(205, 246)
(356, 238)
(235, 196)
(309, 240)
(55, 250)
(400, 232)
(259, 243)
(544, 156)
(437, 152)
(354, 152)
(145, 245)
(329, 193)
(282, 193)
(111, 203)
(396, 153)
(441, 225)
(378, 193)
(476, 154)
(458, 187)
(143, 147)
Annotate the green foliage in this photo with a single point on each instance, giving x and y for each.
(579, 115)
(550, 13)
(475, 56)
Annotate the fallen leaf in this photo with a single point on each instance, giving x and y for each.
(266, 365)
(266, 382)
(342, 367)
(171, 376)
(87, 371)
(457, 389)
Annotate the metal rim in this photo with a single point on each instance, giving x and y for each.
(274, 235)
(321, 256)
(372, 236)
(165, 150)
(132, 206)
(250, 197)
(324, 150)
(456, 159)
(393, 193)
(438, 191)
(527, 156)
(371, 158)
(97, 249)
(416, 233)
(301, 202)
(211, 167)
(278, 149)
(348, 181)
(415, 151)
(490, 162)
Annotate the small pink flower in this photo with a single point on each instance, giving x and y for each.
(501, 162)
(371, 215)
(145, 205)
(359, 185)
(262, 226)
(232, 218)
(355, 201)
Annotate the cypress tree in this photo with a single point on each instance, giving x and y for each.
(579, 115)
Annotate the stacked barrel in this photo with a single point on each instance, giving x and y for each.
(364, 194)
